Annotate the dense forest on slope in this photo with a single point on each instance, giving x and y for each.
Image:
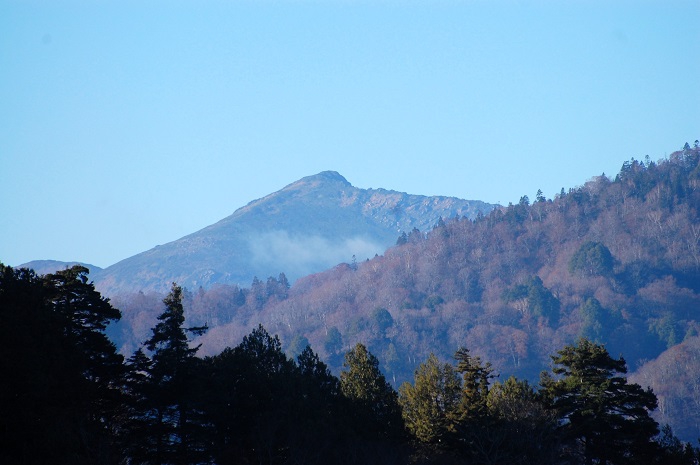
(67, 397)
(616, 260)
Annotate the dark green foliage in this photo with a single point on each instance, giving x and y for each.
(666, 329)
(164, 388)
(476, 376)
(264, 408)
(431, 405)
(416, 236)
(140, 440)
(334, 341)
(672, 451)
(86, 314)
(475, 427)
(249, 400)
(37, 400)
(473, 288)
(539, 300)
(637, 274)
(66, 398)
(477, 423)
(433, 301)
(317, 375)
(277, 287)
(382, 320)
(319, 425)
(298, 344)
(523, 429)
(592, 259)
(604, 419)
(59, 390)
(375, 401)
(598, 322)
(402, 239)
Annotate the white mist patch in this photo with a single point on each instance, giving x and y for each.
(298, 255)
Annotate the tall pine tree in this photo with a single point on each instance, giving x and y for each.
(605, 420)
(165, 391)
(375, 401)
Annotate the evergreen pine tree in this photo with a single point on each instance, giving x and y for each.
(376, 403)
(431, 405)
(168, 391)
(605, 420)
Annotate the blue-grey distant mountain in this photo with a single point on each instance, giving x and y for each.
(52, 266)
(310, 225)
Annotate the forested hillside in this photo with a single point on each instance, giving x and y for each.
(616, 260)
(67, 397)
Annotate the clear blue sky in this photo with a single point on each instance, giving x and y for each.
(127, 124)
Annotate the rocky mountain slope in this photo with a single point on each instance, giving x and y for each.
(308, 226)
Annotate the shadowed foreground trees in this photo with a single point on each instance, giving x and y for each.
(67, 398)
(431, 406)
(170, 430)
(60, 400)
(376, 403)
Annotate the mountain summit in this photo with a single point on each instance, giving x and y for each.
(308, 226)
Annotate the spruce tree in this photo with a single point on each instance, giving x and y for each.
(475, 427)
(431, 405)
(167, 394)
(375, 401)
(475, 388)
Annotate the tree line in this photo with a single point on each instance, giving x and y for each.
(68, 397)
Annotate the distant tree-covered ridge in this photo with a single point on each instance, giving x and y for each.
(66, 397)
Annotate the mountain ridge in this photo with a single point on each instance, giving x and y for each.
(51, 266)
(310, 225)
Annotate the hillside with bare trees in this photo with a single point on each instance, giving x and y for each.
(616, 260)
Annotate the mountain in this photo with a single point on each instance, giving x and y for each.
(616, 260)
(51, 266)
(308, 226)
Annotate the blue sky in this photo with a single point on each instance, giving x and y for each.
(124, 125)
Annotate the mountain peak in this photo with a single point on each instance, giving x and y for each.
(327, 176)
(308, 226)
